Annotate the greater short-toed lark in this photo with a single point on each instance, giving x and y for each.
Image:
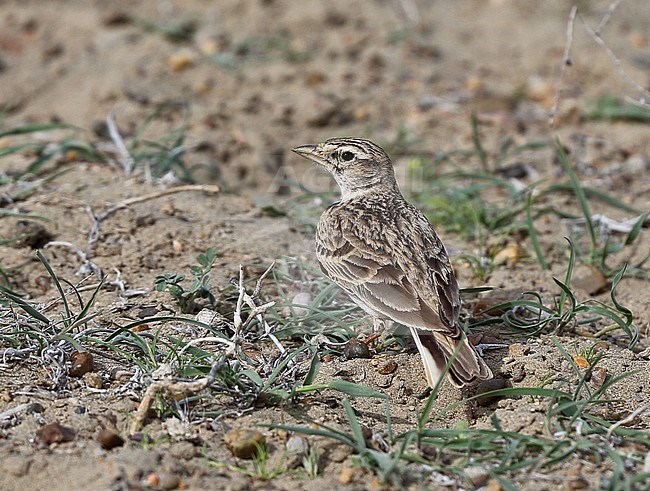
(384, 253)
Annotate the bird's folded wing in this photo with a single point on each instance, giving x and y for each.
(414, 290)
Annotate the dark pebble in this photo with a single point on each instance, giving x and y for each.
(54, 433)
(147, 312)
(356, 349)
(81, 363)
(487, 386)
(109, 439)
(35, 407)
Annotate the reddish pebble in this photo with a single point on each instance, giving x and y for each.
(80, 362)
(54, 433)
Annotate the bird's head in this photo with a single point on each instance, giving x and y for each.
(358, 165)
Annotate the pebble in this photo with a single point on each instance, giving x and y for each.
(356, 349)
(346, 475)
(297, 447)
(81, 362)
(493, 485)
(478, 475)
(487, 386)
(109, 439)
(93, 380)
(592, 280)
(580, 361)
(54, 433)
(389, 367)
(35, 407)
(518, 349)
(302, 298)
(518, 374)
(181, 60)
(511, 254)
(598, 377)
(244, 443)
(167, 480)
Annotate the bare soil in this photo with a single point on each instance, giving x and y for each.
(261, 77)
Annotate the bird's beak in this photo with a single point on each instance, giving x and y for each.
(310, 152)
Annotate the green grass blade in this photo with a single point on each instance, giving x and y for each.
(476, 140)
(354, 424)
(55, 278)
(578, 190)
(26, 306)
(636, 229)
(532, 232)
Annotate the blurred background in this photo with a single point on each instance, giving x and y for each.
(241, 82)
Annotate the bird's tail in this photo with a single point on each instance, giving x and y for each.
(437, 349)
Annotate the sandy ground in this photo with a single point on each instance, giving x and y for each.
(252, 80)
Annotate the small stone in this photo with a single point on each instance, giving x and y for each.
(54, 433)
(580, 361)
(93, 380)
(518, 374)
(591, 280)
(356, 349)
(35, 407)
(598, 377)
(177, 245)
(346, 475)
(167, 480)
(493, 485)
(477, 475)
(181, 60)
(297, 447)
(300, 301)
(81, 362)
(389, 367)
(511, 254)
(244, 443)
(518, 349)
(487, 386)
(109, 439)
(145, 312)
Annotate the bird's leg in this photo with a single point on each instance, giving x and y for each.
(378, 326)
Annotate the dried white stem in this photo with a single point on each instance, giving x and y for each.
(566, 61)
(126, 159)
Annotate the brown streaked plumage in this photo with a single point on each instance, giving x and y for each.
(384, 253)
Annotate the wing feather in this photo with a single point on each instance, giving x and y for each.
(411, 283)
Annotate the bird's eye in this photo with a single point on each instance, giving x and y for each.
(347, 156)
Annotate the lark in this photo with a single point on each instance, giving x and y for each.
(388, 258)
